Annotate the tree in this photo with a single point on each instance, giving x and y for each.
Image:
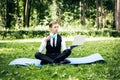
(117, 14)
(2, 13)
(26, 15)
(10, 10)
(101, 13)
(97, 13)
(82, 7)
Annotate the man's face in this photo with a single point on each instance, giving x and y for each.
(54, 28)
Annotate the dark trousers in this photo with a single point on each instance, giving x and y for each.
(54, 57)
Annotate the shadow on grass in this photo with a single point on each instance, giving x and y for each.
(100, 70)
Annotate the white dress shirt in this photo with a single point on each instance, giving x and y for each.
(44, 43)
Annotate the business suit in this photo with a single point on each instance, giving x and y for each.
(53, 51)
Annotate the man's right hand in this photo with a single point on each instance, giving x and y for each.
(47, 38)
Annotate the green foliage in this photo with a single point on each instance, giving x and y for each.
(67, 12)
(109, 49)
(22, 34)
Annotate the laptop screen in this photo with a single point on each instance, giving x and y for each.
(79, 40)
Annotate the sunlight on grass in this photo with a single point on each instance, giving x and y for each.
(109, 49)
(69, 38)
(7, 49)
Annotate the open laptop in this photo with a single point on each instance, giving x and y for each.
(78, 40)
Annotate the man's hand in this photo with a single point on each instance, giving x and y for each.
(47, 38)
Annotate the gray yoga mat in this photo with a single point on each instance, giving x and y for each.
(82, 60)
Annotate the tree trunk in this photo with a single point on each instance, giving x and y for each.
(82, 5)
(8, 21)
(26, 17)
(114, 25)
(97, 14)
(117, 14)
(10, 11)
(17, 13)
(101, 14)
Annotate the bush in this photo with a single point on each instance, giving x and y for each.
(23, 34)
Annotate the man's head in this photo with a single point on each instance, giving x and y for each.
(53, 26)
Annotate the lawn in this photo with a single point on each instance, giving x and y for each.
(109, 70)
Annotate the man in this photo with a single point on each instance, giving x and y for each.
(53, 44)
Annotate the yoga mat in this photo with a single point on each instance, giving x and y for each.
(82, 60)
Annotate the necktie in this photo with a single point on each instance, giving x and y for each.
(53, 42)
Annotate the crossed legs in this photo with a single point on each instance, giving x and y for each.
(46, 59)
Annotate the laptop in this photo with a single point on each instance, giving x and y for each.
(78, 40)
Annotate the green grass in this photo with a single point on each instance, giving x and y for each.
(109, 49)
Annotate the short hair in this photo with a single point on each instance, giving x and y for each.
(52, 22)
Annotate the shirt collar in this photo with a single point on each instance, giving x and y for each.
(52, 34)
